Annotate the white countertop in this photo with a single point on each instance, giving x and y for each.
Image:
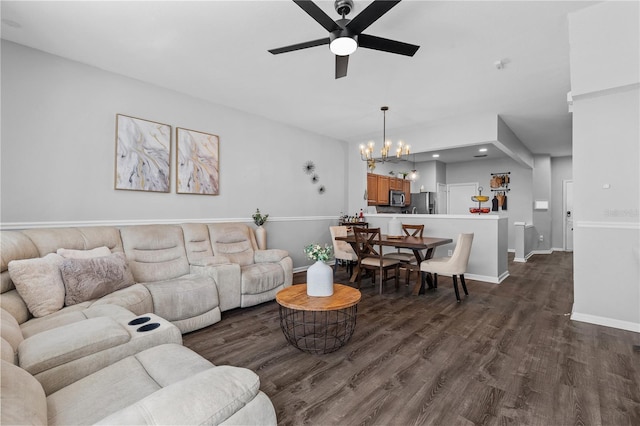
(484, 216)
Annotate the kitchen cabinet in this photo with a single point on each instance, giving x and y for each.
(383, 190)
(378, 187)
(395, 184)
(406, 188)
(372, 189)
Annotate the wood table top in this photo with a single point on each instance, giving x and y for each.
(404, 242)
(295, 297)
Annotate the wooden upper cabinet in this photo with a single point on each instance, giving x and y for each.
(378, 187)
(372, 189)
(406, 188)
(383, 190)
(395, 184)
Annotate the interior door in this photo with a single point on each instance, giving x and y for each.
(459, 197)
(568, 215)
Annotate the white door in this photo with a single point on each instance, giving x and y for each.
(459, 197)
(441, 199)
(568, 215)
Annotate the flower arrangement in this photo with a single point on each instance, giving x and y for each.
(319, 253)
(258, 218)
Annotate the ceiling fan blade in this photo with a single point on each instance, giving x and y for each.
(386, 45)
(316, 13)
(342, 62)
(370, 15)
(305, 45)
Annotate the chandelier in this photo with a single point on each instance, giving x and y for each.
(367, 151)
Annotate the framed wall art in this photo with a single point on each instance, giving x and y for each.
(197, 159)
(143, 152)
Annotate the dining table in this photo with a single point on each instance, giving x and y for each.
(423, 248)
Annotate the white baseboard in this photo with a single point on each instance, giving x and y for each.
(549, 251)
(607, 322)
(486, 278)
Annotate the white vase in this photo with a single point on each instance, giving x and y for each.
(319, 280)
(261, 237)
(395, 228)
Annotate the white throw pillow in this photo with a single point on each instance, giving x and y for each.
(84, 254)
(39, 283)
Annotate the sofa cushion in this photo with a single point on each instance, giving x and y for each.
(71, 314)
(213, 396)
(7, 353)
(39, 283)
(124, 383)
(235, 241)
(135, 298)
(88, 279)
(84, 254)
(183, 297)
(261, 277)
(59, 346)
(23, 399)
(11, 335)
(155, 252)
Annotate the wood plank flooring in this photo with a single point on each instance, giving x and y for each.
(508, 354)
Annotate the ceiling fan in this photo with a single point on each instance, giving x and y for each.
(345, 35)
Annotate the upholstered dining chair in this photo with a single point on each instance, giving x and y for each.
(369, 251)
(408, 259)
(456, 265)
(342, 251)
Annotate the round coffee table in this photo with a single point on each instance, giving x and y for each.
(318, 325)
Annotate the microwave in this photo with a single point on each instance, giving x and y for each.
(396, 198)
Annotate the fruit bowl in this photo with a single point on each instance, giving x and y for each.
(480, 198)
(479, 209)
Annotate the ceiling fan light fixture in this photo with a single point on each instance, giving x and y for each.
(343, 46)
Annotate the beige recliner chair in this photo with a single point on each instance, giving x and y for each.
(454, 265)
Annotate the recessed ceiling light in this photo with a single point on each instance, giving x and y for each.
(436, 155)
(483, 150)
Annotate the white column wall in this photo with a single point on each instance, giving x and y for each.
(605, 80)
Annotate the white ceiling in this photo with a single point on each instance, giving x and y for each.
(217, 50)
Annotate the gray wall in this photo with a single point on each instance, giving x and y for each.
(541, 189)
(58, 146)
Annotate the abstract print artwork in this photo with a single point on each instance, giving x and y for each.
(143, 151)
(197, 162)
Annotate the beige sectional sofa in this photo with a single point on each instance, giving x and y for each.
(77, 302)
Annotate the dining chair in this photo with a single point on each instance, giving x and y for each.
(369, 251)
(342, 251)
(408, 259)
(456, 265)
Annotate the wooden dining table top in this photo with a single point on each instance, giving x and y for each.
(404, 242)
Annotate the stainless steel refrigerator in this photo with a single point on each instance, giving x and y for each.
(423, 203)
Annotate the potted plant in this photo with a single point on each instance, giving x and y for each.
(319, 275)
(258, 218)
(261, 234)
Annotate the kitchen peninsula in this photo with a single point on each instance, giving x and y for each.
(488, 259)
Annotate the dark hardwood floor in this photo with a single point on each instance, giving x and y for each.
(508, 354)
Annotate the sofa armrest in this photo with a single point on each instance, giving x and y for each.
(269, 256)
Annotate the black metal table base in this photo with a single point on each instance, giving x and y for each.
(318, 332)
